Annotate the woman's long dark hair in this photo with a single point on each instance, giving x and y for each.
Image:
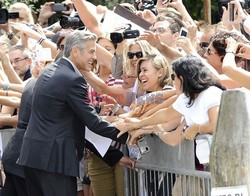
(196, 77)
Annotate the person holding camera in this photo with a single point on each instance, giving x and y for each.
(21, 13)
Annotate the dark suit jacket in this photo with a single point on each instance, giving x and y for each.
(54, 140)
(12, 150)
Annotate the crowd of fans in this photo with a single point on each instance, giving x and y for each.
(159, 83)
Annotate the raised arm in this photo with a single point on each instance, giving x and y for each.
(46, 43)
(9, 70)
(241, 76)
(87, 17)
(122, 96)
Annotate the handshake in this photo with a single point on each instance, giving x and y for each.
(133, 126)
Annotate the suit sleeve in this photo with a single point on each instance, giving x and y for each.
(111, 157)
(77, 98)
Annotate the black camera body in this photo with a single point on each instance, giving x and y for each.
(5, 15)
(71, 22)
(117, 37)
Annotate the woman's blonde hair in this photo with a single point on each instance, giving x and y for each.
(146, 49)
(22, 6)
(159, 62)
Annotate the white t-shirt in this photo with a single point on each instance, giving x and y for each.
(197, 113)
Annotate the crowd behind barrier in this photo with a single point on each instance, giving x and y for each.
(145, 73)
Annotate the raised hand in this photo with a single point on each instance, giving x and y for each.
(151, 38)
(244, 51)
(46, 12)
(186, 45)
(232, 45)
(70, 4)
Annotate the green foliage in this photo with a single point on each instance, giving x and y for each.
(194, 7)
(30, 3)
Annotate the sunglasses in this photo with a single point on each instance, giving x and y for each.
(61, 47)
(137, 54)
(172, 77)
(209, 51)
(204, 44)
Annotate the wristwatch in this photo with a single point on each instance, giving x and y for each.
(10, 35)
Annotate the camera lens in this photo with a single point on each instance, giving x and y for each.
(3, 16)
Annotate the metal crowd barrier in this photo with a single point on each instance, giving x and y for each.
(164, 170)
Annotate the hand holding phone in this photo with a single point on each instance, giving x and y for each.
(183, 32)
(59, 7)
(231, 11)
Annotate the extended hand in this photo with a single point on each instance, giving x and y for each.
(137, 133)
(126, 125)
(127, 162)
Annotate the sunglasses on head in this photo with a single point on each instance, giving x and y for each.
(137, 54)
(204, 44)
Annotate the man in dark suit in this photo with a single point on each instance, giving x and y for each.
(15, 183)
(54, 141)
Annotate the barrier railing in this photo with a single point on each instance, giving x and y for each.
(164, 170)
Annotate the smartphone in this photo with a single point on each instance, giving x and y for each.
(143, 146)
(231, 12)
(183, 32)
(59, 7)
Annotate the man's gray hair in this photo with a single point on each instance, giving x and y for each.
(77, 38)
(25, 51)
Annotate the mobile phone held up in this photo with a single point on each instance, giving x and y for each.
(59, 7)
(231, 11)
(183, 32)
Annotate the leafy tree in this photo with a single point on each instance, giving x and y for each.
(30, 3)
(196, 11)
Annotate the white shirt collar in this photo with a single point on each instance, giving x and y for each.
(73, 65)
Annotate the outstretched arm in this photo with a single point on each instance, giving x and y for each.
(87, 17)
(121, 95)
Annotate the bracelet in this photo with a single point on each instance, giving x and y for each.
(7, 93)
(40, 40)
(161, 130)
(5, 86)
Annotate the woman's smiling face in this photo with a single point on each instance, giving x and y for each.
(149, 76)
